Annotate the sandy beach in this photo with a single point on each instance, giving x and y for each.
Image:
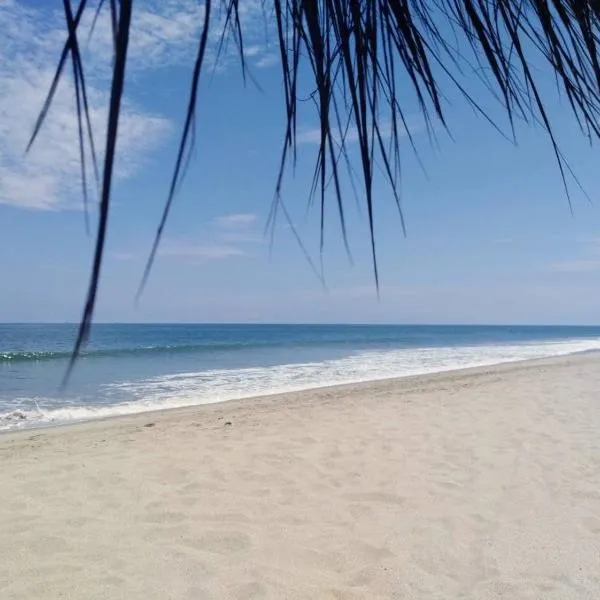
(477, 484)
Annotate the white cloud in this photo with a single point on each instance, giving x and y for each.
(576, 266)
(229, 236)
(236, 221)
(207, 251)
(48, 177)
(268, 60)
(164, 32)
(588, 261)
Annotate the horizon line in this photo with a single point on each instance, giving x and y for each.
(306, 323)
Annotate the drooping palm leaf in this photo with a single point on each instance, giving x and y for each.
(358, 52)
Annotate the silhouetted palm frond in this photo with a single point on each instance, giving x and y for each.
(358, 52)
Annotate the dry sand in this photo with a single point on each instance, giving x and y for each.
(481, 484)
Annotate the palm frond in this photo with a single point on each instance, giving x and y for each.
(363, 57)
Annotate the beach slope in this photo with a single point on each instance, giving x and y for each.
(480, 484)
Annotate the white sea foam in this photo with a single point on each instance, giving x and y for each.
(188, 389)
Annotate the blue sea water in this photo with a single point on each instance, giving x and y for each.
(135, 368)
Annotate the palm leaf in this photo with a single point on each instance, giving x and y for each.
(364, 55)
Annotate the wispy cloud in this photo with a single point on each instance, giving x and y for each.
(236, 221)
(204, 251)
(229, 236)
(576, 266)
(240, 228)
(266, 61)
(164, 32)
(49, 176)
(589, 260)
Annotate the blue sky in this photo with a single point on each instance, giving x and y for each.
(490, 237)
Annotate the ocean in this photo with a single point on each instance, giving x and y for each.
(136, 368)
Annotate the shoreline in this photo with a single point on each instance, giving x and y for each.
(257, 401)
(130, 394)
(481, 483)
